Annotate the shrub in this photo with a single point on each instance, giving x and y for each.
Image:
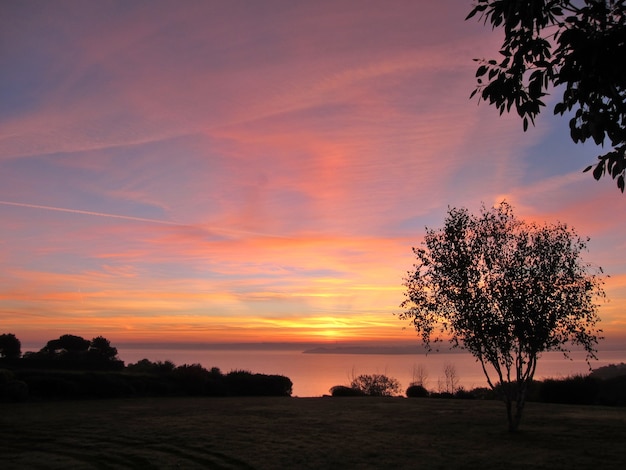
(464, 394)
(579, 390)
(416, 391)
(486, 393)
(610, 371)
(344, 391)
(192, 378)
(145, 366)
(245, 383)
(376, 385)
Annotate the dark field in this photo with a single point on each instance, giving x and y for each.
(320, 433)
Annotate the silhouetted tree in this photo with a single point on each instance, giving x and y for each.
(66, 344)
(506, 291)
(10, 346)
(376, 385)
(101, 348)
(577, 46)
(451, 378)
(420, 375)
(145, 366)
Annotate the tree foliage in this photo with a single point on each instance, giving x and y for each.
(66, 344)
(101, 348)
(10, 346)
(506, 291)
(376, 385)
(75, 352)
(577, 46)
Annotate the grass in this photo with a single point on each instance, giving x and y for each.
(306, 433)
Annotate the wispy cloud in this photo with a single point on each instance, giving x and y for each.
(84, 212)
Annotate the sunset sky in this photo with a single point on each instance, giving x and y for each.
(258, 171)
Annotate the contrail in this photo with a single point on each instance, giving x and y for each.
(98, 214)
(228, 232)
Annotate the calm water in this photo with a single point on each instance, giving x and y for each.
(313, 374)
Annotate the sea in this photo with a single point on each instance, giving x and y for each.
(313, 374)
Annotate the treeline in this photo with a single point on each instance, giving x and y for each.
(72, 367)
(604, 386)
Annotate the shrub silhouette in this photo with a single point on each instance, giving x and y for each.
(193, 378)
(580, 390)
(245, 383)
(417, 391)
(71, 367)
(145, 366)
(345, 391)
(463, 394)
(376, 385)
(609, 371)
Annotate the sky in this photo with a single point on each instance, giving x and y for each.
(258, 171)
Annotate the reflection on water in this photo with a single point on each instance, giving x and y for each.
(313, 374)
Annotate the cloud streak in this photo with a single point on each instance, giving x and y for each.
(90, 213)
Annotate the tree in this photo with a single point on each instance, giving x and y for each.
(451, 378)
(376, 385)
(420, 375)
(577, 46)
(10, 346)
(66, 344)
(101, 348)
(505, 290)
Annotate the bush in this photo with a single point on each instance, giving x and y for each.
(245, 383)
(486, 393)
(610, 371)
(193, 378)
(417, 391)
(441, 395)
(576, 390)
(344, 391)
(145, 366)
(376, 385)
(463, 394)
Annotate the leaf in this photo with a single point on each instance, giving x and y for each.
(598, 171)
(559, 108)
(588, 168)
(473, 12)
(525, 124)
(482, 70)
(620, 182)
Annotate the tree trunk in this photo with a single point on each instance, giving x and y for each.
(514, 414)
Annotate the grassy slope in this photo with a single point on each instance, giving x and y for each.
(346, 433)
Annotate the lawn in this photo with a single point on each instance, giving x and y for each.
(314, 433)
